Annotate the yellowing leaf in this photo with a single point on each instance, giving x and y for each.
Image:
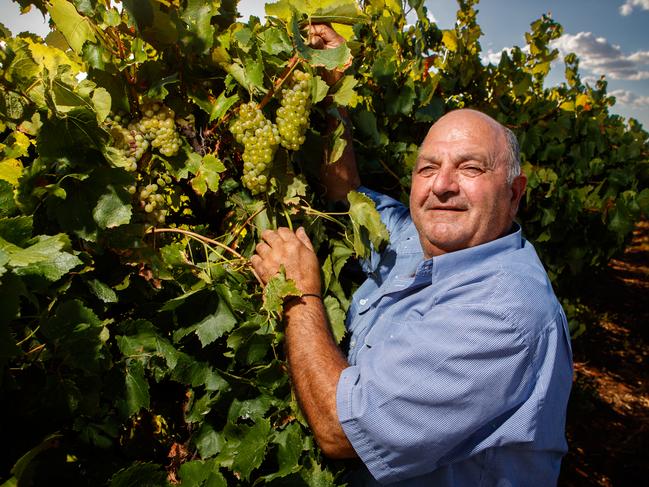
(51, 57)
(75, 28)
(10, 170)
(449, 39)
(582, 100)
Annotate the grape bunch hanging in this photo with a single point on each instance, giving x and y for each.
(260, 137)
(155, 130)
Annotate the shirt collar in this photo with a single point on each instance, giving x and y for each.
(447, 264)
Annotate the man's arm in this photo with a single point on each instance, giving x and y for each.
(341, 177)
(315, 361)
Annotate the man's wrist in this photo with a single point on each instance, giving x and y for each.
(292, 300)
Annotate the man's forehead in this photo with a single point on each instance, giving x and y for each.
(464, 134)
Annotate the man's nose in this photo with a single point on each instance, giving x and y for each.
(445, 181)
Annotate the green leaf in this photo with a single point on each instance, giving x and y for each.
(197, 472)
(290, 447)
(198, 18)
(215, 325)
(102, 291)
(208, 441)
(276, 290)
(113, 208)
(345, 92)
(17, 230)
(47, 257)
(7, 204)
(137, 388)
(245, 447)
(336, 317)
(79, 337)
(140, 475)
(141, 341)
(76, 28)
(141, 11)
(367, 224)
(275, 41)
(208, 175)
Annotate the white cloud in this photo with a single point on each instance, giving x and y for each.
(626, 97)
(599, 56)
(629, 5)
(493, 57)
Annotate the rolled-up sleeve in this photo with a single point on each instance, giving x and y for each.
(410, 402)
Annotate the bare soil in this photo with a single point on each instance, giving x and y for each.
(608, 414)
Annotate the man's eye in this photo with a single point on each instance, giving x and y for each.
(427, 170)
(472, 170)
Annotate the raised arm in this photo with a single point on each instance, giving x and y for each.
(340, 177)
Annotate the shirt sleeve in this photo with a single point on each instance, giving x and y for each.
(434, 391)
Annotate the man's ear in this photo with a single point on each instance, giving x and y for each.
(518, 190)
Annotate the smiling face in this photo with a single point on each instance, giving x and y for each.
(460, 196)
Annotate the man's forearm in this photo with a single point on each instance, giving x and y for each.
(315, 364)
(341, 177)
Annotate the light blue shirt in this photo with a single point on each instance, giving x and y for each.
(460, 365)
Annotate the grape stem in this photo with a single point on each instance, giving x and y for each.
(292, 63)
(205, 240)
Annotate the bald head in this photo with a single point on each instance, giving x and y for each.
(508, 149)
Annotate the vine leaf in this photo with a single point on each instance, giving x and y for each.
(216, 324)
(366, 223)
(137, 388)
(276, 290)
(113, 208)
(76, 29)
(46, 257)
(140, 474)
(245, 447)
(199, 472)
(207, 176)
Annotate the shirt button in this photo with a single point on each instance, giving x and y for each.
(362, 302)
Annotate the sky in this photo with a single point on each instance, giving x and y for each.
(610, 37)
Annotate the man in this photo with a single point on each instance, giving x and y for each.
(459, 367)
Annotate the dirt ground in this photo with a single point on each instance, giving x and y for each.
(608, 414)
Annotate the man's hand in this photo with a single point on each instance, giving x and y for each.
(294, 251)
(322, 36)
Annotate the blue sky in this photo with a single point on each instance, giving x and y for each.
(611, 38)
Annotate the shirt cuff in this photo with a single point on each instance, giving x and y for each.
(371, 455)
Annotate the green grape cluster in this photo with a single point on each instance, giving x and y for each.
(156, 129)
(293, 114)
(150, 197)
(158, 126)
(129, 142)
(260, 139)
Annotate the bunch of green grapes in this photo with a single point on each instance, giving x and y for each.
(129, 142)
(293, 114)
(158, 126)
(260, 139)
(150, 196)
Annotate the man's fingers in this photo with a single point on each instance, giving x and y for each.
(262, 248)
(285, 234)
(304, 238)
(316, 42)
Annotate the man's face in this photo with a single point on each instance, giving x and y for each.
(460, 196)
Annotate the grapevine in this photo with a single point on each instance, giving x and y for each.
(106, 317)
